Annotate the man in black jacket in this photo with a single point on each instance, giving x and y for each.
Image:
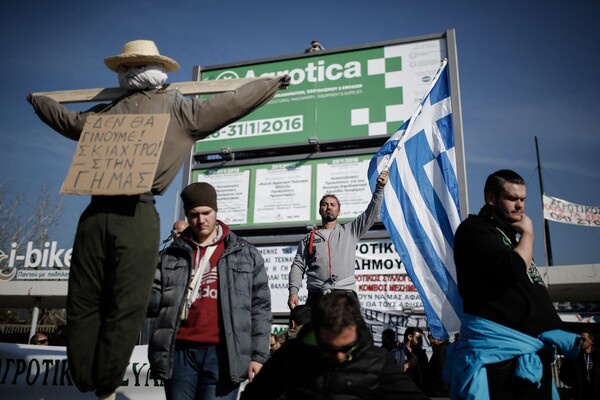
(583, 373)
(500, 284)
(334, 358)
(411, 357)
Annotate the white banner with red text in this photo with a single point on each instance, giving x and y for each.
(382, 282)
(559, 210)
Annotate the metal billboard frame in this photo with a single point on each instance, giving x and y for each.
(252, 155)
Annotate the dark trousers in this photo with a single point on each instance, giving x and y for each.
(112, 269)
(314, 297)
(504, 385)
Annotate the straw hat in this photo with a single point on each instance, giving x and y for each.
(140, 51)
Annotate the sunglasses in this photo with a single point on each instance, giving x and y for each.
(341, 349)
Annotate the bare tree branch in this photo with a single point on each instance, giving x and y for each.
(22, 222)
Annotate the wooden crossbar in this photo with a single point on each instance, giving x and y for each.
(110, 94)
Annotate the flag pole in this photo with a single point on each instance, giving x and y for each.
(548, 246)
(415, 114)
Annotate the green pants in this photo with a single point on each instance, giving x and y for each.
(112, 269)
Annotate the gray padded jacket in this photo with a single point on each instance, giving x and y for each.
(245, 305)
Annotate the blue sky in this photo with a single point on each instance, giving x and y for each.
(526, 69)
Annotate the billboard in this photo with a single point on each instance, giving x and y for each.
(333, 95)
(287, 193)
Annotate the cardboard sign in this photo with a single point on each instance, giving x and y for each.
(117, 154)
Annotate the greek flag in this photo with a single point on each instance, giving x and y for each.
(420, 207)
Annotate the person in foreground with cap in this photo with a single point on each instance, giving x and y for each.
(115, 249)
(212, 304)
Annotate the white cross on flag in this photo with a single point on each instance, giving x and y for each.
(421, 203)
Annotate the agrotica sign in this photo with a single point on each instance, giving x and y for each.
(337, 94)
(313, 72)
(47, 263)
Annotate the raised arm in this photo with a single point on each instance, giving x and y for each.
(361, 225)
(207, 116)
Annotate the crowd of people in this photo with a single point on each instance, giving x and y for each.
(427, 373)
(581, 376)
(210, 293)
(213, 323)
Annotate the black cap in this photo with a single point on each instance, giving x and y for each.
(199, 194)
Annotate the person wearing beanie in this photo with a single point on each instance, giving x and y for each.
(212, 305)
(115, 249)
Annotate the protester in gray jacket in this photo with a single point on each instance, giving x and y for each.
(213, 306)
(327, 255)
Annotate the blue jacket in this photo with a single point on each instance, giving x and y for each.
(485, 342)
(245, 305)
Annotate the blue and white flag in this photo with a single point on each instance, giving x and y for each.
(421, 203)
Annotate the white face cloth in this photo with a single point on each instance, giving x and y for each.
(144, 76)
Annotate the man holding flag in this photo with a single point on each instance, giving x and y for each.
(327, 255)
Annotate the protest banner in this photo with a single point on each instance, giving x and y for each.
(560, 210)
(117, 155)
(42, 372)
